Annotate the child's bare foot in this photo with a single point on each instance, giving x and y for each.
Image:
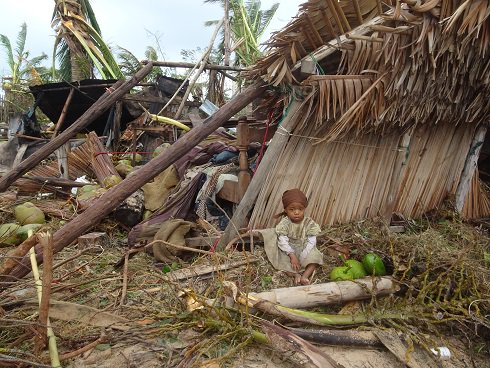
(304, 281)
(297, 279)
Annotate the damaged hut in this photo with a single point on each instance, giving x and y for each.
(394, 109)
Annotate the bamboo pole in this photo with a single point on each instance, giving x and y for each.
(61, 119)
(203, 61)
(113, 94)
(116, 195)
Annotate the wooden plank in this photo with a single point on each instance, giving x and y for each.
(200, 270)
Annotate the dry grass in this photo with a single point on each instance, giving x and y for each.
(439, 262)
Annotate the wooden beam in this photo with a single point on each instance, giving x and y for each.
(66, 106)
(178, 64)
(118, 90)
(470, 166)
(334, 45)
(116, 195)
(278, 142)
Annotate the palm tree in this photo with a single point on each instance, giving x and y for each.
(21, 67)
(248, 23)
(79, 46)
(130, 64)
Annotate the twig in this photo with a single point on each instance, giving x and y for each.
(187, 248)
(125, 280)
(83, 349)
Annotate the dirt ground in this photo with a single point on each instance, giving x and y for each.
(164, 332)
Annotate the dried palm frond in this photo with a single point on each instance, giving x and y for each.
(101, 163)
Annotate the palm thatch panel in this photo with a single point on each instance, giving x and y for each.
(353, 179)
(344, 180)
(430, 60)
(477, 201)
(433, 170)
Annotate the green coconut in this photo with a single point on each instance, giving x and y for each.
(356, 268)
(341, 273)
(8, 234)
(23, 231)
(374, 265)
(111, 181)
(160, 149)
(28, 213)
(124, 162)
(129, 157)
(124, 169)
(87, 189)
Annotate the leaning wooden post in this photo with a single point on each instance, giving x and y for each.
(270, 157)
(116, 195)
(243, 138)
(117, 91)
(470, 166)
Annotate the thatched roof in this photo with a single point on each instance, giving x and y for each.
(383, 66)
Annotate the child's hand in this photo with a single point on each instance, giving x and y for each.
(294, 262)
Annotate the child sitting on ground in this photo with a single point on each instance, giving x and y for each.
(296, 239)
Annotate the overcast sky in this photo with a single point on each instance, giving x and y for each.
(179, 24)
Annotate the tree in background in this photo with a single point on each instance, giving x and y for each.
(22, 68)
(247, 24)
(79, 46)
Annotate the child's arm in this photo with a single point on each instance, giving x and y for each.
(283, 244)
(310, 244)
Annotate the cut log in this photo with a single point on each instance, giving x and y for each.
(91, 240)
(116, 195)
(329, 293)
(103, 103)
(280, 138)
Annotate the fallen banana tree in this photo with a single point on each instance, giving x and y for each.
(329, 293)
(236, 299)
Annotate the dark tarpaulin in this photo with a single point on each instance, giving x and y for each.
(51, 99)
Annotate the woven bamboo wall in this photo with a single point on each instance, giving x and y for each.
(436, 161)
(350, 180)
(343, 180)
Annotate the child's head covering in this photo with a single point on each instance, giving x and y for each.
(294, 196)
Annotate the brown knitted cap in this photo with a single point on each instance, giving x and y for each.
(294, 196)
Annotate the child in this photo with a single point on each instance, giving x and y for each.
(296, 239)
